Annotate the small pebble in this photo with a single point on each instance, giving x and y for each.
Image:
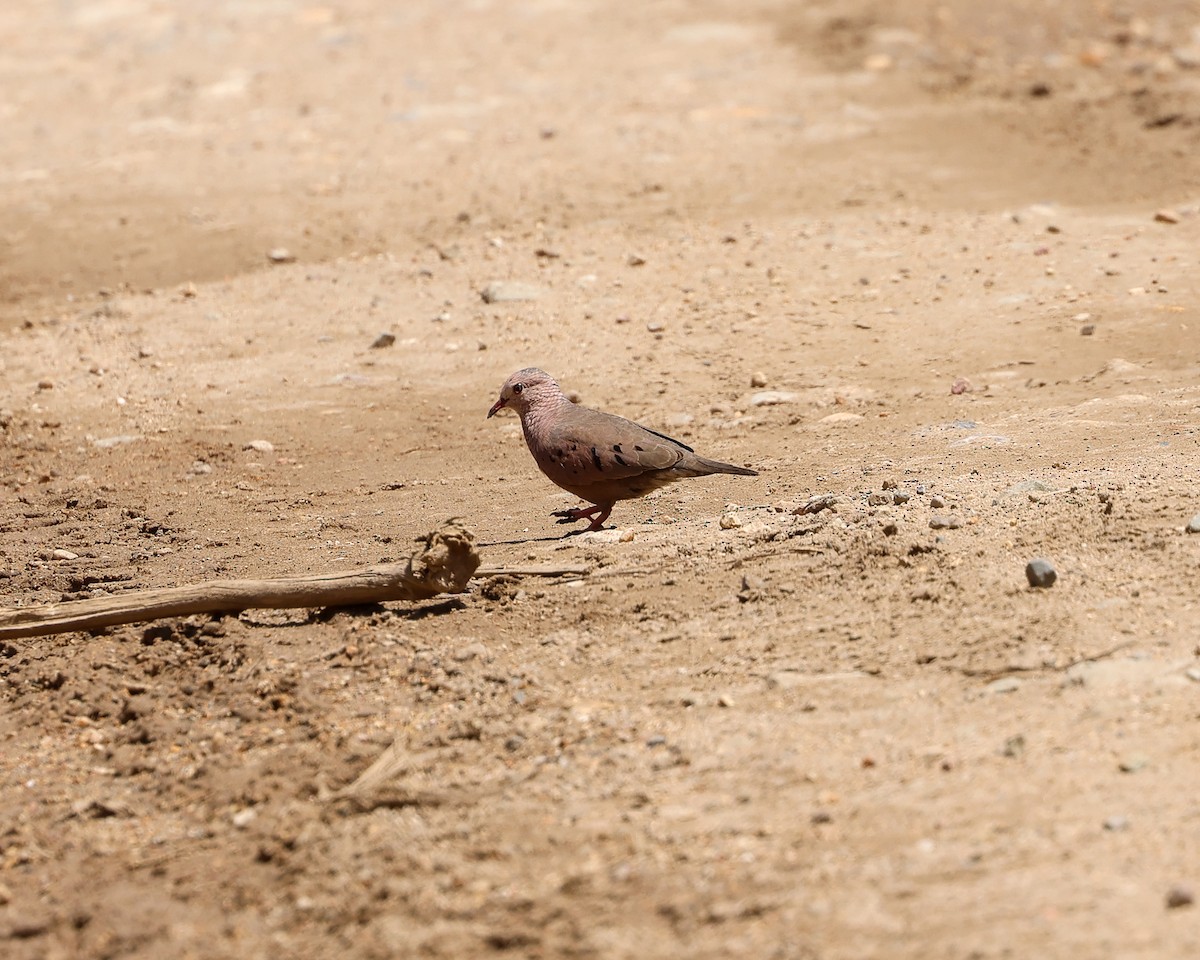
(1027, 488)
(21, 927)
(1015, 746)
(1004, 685)
(1116, 824)
(900, 496)
(106, 442)
(655, 326)
(472, 651)
(262, 446)
(1166, 216)
(385, 339)
(280, 255)
(815, 504)
(1132, 763)
(730, 521)
(509, 291)
(243, 818)
(941, 521)
(45, 384)
(1188, 56)
(937, 502)
(960, 386)
(770, 398)
(1040, 573)
(752, 589)
(1193, 524)
(1180, 896)
(758, 379)
(61, 554)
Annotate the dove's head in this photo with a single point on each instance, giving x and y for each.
(525, 389)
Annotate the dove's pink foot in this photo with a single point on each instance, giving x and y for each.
(598, 514)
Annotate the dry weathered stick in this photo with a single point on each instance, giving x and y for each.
(444, 564)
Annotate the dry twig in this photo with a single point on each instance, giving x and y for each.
(444, 564)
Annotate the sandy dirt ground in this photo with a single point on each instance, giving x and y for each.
(936, 262)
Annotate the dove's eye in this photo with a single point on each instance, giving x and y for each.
(518, 387)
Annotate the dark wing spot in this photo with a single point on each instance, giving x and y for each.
(596, 459)
(638, 449)
(620, 460)
(616, 448)
(557, 453)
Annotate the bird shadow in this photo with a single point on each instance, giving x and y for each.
(566, 536)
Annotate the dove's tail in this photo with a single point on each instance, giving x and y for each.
(697, 466)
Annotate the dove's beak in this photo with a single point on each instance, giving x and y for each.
(495, 406)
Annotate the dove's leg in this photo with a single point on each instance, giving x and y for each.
(597, 514)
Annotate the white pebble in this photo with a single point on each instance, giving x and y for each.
(771, 398)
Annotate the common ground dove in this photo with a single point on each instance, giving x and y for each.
(599, 457)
